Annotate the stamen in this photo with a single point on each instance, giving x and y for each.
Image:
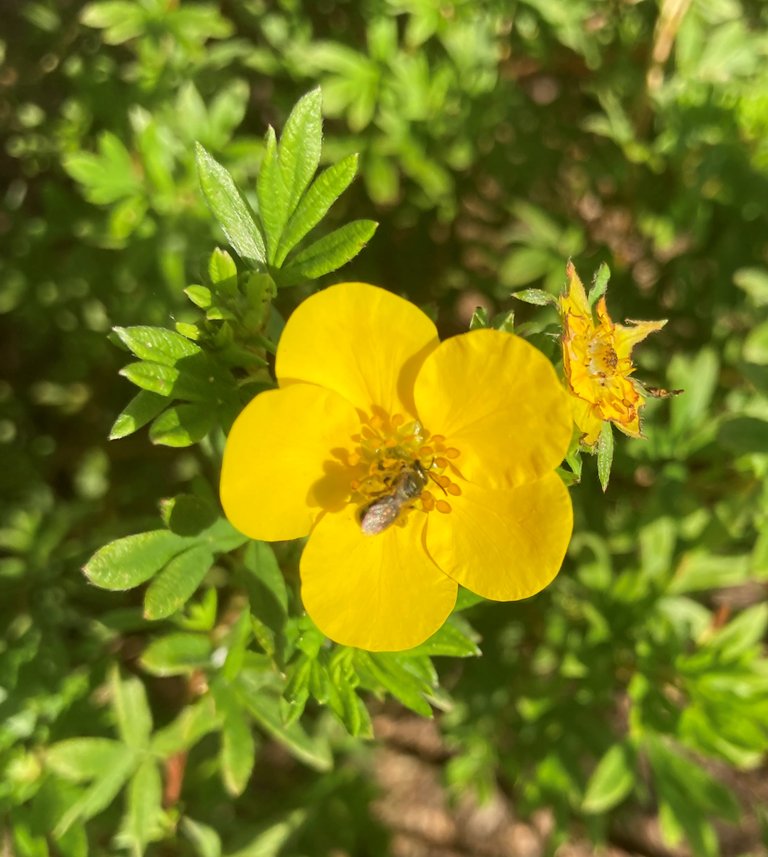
(454, 489)
(443, 506)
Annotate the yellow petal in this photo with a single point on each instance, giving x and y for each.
(575, 299)
(381, 593)
(360, 341)
(589, 419)
(503, 545)
(626, 338)
(499, 402)
(281, 462)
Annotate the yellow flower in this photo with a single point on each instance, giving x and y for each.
(413, 465)
(597, 360)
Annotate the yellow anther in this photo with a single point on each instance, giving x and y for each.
(443, 506)
(452, 452)
(454, 489)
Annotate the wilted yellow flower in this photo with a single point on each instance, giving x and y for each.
(597, 360)
(413, 465)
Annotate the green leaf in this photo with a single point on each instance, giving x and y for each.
(129, 702)
(100, 794)
(82, 759)
(142, 822)
(742, 633)
(142, 408)
(127, 562)
(170, 590)
(325, 190)
(200, 296)
(204, 839)
(266, 586)
(535, 296)
(479, 318)
(274, 198)
(455, 639)
(238, 748)
(182, 425)
(188, 515)
(744, 435)
(700, 570)
(156, 344)
(230, 210)
(222, 268)
(688, 797)
(353, 713)
(300, 145)
(391, 672)
(605, 454)
(611, 781)
(599, 284)
(466, 599)
(190, 725)
(176, 654)
(329, 253)
(108, 176)
(120, 19)
(194, 378)
(266, 712)
(271, 838)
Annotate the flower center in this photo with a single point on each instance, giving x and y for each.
(401, 467)
(602, 359)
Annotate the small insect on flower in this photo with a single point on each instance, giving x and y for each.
(382, 512)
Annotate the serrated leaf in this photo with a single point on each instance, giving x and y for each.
(329, 253)
(170, 590)
(142, 408)
(142, 821)
(128, 562)
(324, 191)
(605, 454)
(301, 144)
(265, 710)
(599, 284)
(182, 425)
(535, 296)
(129, 702)
(156, 344)
(230, 210)
(611, 781)
(176, 654)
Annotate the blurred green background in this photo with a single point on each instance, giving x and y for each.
(626, 705)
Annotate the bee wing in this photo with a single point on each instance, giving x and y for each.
(379, 515)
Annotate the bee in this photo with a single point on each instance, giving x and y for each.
(382, 512)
